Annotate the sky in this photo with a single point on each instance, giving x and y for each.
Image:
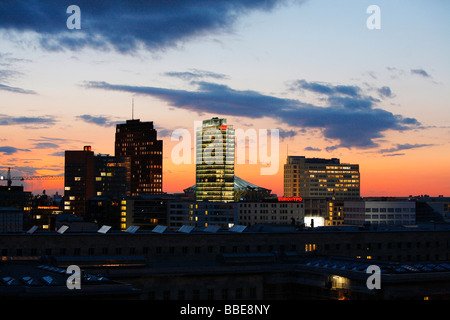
(316, 70)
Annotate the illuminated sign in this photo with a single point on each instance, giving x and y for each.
(314, 222)
(223, 127)
(290, 199)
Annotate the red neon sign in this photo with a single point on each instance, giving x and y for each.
(223, 127)
(290, 199)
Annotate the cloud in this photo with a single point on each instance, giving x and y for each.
(5, 87)
(102, 121)
(7, 150)
(393, 155)
(8, 72)
(385, 92)
(405, 146)
(58, 154)
(284, 134)
(125, 26)
(353, 122)
(6, 120)
(312, 149)
(45, 145)
(421, 72)
(325, 88)
(396, 72)
(196, 74)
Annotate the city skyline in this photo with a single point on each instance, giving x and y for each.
(314, 70)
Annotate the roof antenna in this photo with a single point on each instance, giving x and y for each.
(132, 109)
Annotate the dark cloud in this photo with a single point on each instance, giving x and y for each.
(393, 155)
(5, 87)
(7, 150)
(405, 146)
(210, 97)
(385, 92)
(163, 133)
(312, 149)
(45, 145)
(325, 88)
(6, 120)
(195, 74)
(125, 25)
(102, 121)
(354, 122)
(421, 72)
(284, 134)
(58, 154)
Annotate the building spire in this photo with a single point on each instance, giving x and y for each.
(132, 108)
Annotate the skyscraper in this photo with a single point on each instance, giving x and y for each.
(138, 140)
(215, 147)
(321, 178)
(88, 175)
(79, 177)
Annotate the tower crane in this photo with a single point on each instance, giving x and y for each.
(9, 179)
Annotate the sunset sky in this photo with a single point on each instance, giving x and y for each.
(312, 69)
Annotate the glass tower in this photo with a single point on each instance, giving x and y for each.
(215, 161)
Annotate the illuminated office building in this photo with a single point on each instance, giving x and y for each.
(138, 140)
(79, 185)
(321, 178)
(215, 147)
(87, 176)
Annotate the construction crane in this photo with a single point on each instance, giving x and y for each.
(9, 179)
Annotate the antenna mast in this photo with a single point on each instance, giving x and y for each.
(9, 179)
(132, 109)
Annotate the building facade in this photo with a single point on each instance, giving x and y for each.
(321, 178)
(278, 211)
(202, 213)
(215, 151)
(89, 176)
(79, 180)
(144, 211)
(138, 140)
(112, 176)
(380, 212)
(11, 219)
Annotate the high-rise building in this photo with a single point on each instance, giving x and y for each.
(88, 176)
(112, 176)
(138, 140)
(321, 178)
(79, 180)
(215, 147)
